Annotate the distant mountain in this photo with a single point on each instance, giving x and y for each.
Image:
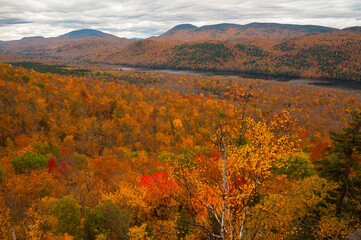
(85, 33)
(310, 29)
(74, 44)
(34, 37)
(269, 48)
(356, 30)
(183, 27)
(235, 32)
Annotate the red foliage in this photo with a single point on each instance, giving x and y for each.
(53, 168)
(356, 158)
(236, 184)
(51, 165)
(158, 183)
(210, 167)
(317, 151)
(84, 94)
(303, 134)
(66, 153)
(64, 169)
(239, 181)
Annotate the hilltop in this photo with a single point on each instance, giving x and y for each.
(85, 33)
(71, 45)
(235, 32)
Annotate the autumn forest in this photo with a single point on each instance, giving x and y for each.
(88, 151)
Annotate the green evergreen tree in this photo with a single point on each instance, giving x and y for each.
(342, 164)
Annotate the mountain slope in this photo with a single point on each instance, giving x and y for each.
(333, 55)
(71, 45)
(85, 33)
(235, 32)
(273, 49)
(356, 30)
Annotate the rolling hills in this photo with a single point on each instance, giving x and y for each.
(332, 55)
(72, 45)
(262, 48)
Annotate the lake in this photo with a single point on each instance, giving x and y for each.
(325, 83)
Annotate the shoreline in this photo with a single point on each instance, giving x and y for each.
(320, 82)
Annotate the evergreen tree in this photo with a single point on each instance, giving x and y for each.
(343, 165)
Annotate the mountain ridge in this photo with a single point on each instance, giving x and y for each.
(33, 37)
(76, 43)
(84, 33)
(235, 32)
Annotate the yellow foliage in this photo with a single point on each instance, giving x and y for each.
(177, 123)
(286, 203)
(164, 229)
(41, 221)
(127, 196)
(101, 237)
(331, 227)
(66, 237)
(5, 228)
(139, 233)
(33, 230)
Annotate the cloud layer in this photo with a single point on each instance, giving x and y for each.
(145, 18)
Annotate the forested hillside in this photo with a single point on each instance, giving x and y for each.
(334, 55)
(268, 49)
(136, 155)
(70, 46)
(235, 32)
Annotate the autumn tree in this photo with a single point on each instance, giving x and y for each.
(68, 214)
(107, 219)
(342, 164)
(234, 192)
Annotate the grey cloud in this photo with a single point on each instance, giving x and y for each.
(12, 21)
(144, 18)
(71, 23)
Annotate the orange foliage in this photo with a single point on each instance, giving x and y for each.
(158, 184)
(112, 126)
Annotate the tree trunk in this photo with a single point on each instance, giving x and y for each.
(13, 233)
(223, 152)
(243, 223)
(343, 191)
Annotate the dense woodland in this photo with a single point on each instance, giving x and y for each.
(333, 55)
(140, 155)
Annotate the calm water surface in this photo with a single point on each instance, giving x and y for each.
(326, 83)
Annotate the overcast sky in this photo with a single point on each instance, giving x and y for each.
(145, 18)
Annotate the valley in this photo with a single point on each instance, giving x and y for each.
(325, 83)
(291, 50)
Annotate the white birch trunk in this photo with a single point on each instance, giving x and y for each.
(223, 151)
(13, 233)
(243, 223)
